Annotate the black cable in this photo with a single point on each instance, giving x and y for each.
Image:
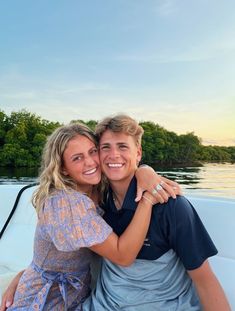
(15, 206)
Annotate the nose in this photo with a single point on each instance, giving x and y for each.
(113, 153)
(89, 161)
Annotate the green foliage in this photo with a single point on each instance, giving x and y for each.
(23, 135)
(91, 123)
(3, 118)
(166, 148)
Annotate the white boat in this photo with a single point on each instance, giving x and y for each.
(16, 243)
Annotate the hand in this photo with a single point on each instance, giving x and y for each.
(150, 198)
(8, 296)
(173, 184)
(161, 187)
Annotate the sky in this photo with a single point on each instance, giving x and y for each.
(171, 62)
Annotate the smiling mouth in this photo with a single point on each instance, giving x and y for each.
(115, 165)
(90, 172)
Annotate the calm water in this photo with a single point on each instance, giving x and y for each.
(210, 179)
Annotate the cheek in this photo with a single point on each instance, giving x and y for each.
(101, 156)
(97, 159)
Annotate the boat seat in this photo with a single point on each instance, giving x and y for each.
(218, 216)
(16, 244)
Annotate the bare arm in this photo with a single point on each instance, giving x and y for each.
(124, 249)
(148, 179)
(8, 296)
(209, 290)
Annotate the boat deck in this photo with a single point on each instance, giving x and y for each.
(16, 244)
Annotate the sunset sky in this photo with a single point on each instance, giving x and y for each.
(167, 61)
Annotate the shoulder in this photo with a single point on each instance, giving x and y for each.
(63, 199)
(175, 213)
(69, 195)
(178, 205)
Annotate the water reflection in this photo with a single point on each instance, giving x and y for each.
(184, 176)
(210, 179)
(213, 179)
(22, 175)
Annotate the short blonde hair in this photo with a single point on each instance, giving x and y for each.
(51, 176)
(120, 123)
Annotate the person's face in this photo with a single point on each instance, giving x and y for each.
(81, 161)
(119, 156)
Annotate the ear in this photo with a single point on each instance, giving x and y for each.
(139, 154)
(64, 172)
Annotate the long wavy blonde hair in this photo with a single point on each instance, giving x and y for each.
(51, 176)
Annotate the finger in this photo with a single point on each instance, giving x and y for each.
(174, 185)
(9, 302)
(158, 198)
(7, 299)
(171, 183)
(3, 305)
(159, 191)
(178, 190)
(6, 303)
(139, 194)
(169, 189)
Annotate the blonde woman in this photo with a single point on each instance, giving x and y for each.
(70, 225)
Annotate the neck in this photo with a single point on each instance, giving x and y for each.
(119, 189)
(88, 190)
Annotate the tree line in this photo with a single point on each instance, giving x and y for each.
(23, 135)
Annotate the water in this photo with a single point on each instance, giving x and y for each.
(211, 179)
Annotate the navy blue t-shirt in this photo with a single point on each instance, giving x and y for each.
(174, 225)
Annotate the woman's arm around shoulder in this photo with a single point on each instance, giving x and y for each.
(162, 188)
(124, 249)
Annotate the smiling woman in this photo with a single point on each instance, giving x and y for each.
(81, 162)
(69, 224)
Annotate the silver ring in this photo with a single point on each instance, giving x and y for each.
(162, 183)
(158, 187)
(154, 191)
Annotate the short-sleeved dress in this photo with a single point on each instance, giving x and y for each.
(59, 276)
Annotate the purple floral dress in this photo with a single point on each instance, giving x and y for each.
(59, 276)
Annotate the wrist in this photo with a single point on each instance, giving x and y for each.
(145, 198)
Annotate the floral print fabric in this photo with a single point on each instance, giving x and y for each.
(67, 225)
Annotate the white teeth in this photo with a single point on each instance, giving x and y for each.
(90, 171)
(115, 165)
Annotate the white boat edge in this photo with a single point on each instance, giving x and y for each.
(16, 244)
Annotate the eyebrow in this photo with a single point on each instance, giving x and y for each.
(117, 143)
(75, 155)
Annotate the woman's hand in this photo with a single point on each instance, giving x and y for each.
(160, 187)
(8, 296)
(150, 198)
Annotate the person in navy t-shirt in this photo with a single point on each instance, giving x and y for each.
(171, 271)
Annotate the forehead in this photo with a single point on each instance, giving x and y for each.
(80, 142)
(109, 137)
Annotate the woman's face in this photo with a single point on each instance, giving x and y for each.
(81, 162)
